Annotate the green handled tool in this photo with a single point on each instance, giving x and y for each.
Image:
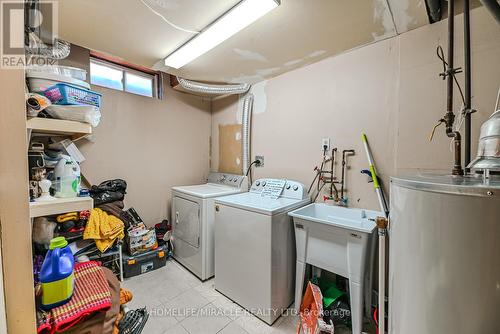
(373, 171)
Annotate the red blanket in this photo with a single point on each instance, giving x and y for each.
(92, 294)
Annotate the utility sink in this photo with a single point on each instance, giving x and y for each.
(339, 240)
(358, 220)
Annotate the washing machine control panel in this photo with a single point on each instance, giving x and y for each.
(232, 180)
(289, 188)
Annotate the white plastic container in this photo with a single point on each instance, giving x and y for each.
(71, 72)
(40, 81)
(67, 178)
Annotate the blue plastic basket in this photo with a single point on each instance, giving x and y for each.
(66, 94)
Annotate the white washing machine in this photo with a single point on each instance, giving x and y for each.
(255, 246)
(193, 220)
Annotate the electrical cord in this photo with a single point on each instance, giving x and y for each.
(312, 183)
(440, 54)
(249, 169)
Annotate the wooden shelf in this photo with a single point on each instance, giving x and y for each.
(61, 127)
(60, 205)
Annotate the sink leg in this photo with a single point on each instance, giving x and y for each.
(356, 295)
(300, 270)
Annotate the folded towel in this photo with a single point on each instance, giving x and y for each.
(104, 229)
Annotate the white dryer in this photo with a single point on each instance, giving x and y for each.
(193, 220)
(255, 246)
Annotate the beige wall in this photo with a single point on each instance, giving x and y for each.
(152, 144)
(390, 90)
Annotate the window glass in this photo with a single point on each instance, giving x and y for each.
(138, 84)
(115, 76)
(106, 76)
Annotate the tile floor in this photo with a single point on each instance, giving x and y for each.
(179, 303)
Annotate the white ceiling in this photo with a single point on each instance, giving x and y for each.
(297, 33)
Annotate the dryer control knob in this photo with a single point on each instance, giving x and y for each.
(257, 183)
(264, 183)
(295, 188)
(288, 186)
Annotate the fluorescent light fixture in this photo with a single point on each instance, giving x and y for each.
(239, 17)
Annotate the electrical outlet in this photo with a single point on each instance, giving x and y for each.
(260, 159)
(325, 144)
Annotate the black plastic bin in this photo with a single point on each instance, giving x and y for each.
(144, 262)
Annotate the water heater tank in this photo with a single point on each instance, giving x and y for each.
(444, 255)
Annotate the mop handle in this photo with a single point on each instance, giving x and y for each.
(373, 173)
(370, 161)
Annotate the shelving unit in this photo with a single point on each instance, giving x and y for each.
(74, 130)
(48, 126)
(60, 205)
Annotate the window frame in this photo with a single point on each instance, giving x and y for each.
(152, 75)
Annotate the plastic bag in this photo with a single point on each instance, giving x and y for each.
(110, 185)
(79, 113)
(107, 197)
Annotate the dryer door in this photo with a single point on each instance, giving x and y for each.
(186, 221)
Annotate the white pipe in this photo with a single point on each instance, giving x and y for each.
(382, 232)
(245, 133)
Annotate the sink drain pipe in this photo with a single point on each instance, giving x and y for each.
(229, 89)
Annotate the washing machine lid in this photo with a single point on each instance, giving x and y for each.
(207, 190)
(255, 202)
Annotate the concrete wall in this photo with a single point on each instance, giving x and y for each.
(390, 90)
(151, 144)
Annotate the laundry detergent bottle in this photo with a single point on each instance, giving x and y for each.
(57, 276)
(67, 178)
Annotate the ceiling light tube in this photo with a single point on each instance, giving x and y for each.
(236, 19)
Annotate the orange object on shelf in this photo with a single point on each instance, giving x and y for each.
(311, 313)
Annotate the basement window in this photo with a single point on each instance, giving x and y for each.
(111, 75)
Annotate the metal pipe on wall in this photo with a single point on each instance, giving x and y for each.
(451, 45)
(467, 88)
(449, 117)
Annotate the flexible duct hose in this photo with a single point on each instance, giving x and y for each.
(211, 89)
(245, 133)
(59, 50)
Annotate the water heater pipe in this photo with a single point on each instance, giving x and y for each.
(467, 86)
(229, 89)
(449, 117)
